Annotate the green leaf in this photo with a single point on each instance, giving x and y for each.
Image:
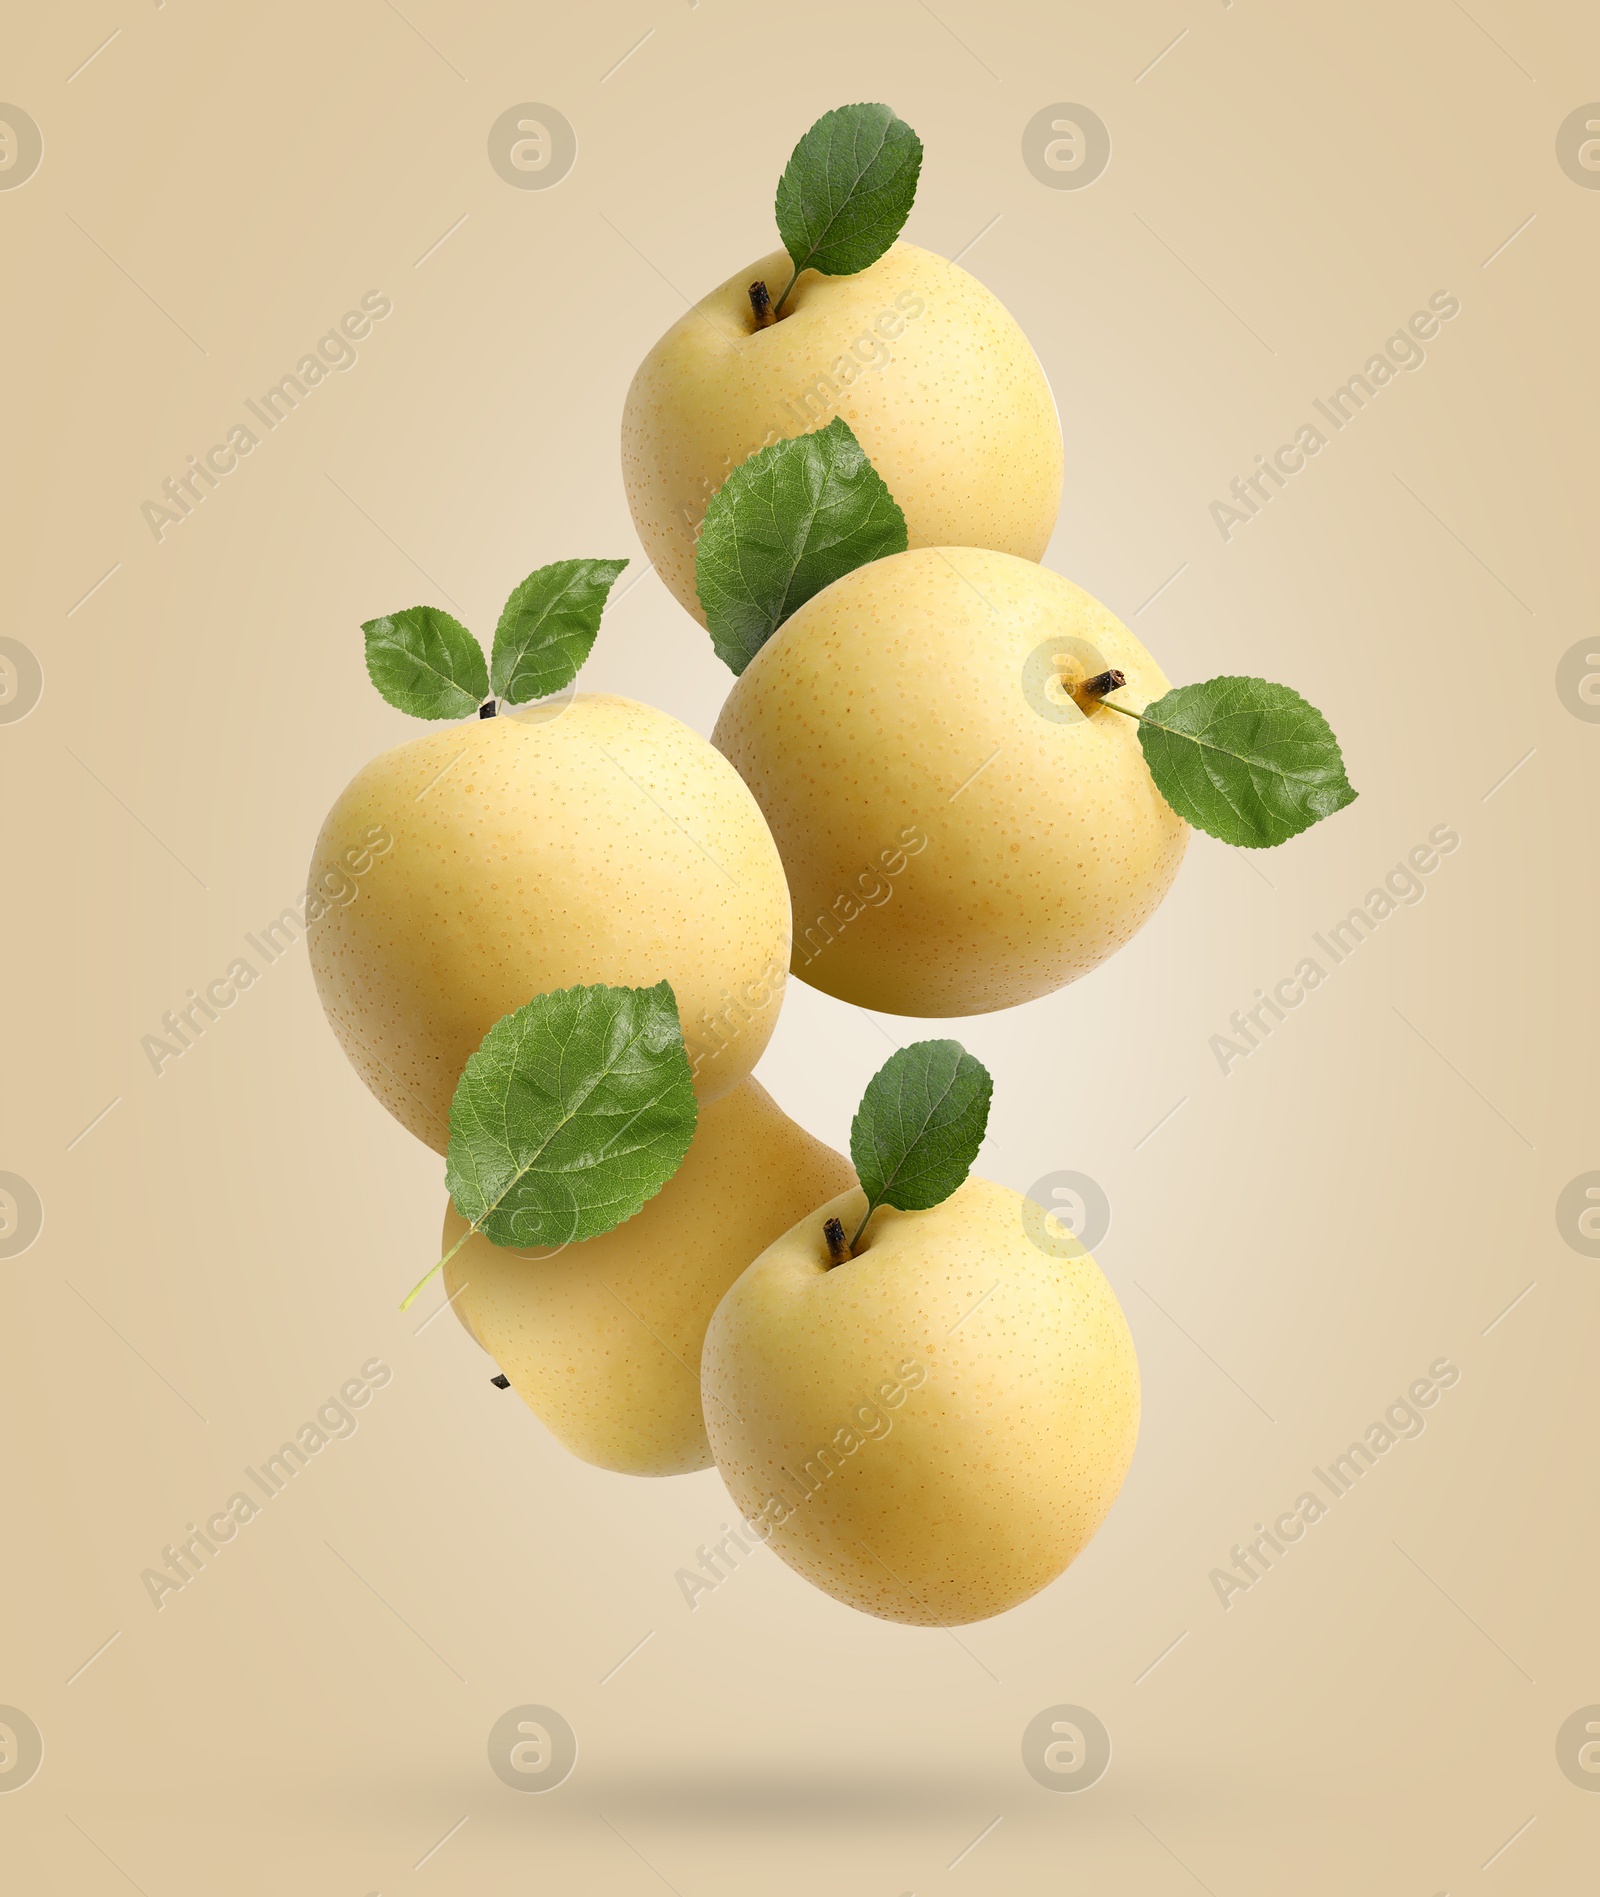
(1244, 760)
(426, 663)
(792, 520)
(548, 627)
(847, 190)
(576, 1109)
(919, 1127)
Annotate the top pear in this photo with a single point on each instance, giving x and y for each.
(931, 372)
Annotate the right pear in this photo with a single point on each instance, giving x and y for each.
(963, 826)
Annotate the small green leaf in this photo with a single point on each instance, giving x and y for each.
(792, 520)
(426, 663)
(919, 1127)
(548, 627)
(1244, 760)
(576, 1109)
(847, 190)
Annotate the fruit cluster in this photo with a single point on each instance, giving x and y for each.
(945, 781)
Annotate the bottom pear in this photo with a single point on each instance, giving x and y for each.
(933, 1429)
(602, 1340)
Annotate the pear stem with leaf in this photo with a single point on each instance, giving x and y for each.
(915, 1134)
(843, 199)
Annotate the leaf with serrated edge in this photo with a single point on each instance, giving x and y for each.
(793, 519)
(919, 1126)
(575, 1110)
(548, 627)
(425, 662)
(1244, 760)
(847, 190)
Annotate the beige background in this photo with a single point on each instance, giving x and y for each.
(1295, 1244)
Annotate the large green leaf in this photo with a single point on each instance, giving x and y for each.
(548, 627)
(1244, 760)
(792, 520)
(847, 190)
(919, 1126)
(576, 1109)
(426, 663)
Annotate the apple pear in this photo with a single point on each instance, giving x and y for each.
(595, 841)
(931, 372)
(602, 1340)
(932, 1429)
(962, 826)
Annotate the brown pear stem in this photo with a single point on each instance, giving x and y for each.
(1103, 682)
(838, 1250)
(761, 305)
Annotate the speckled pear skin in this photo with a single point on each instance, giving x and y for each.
(928, 367)
(602, 1341)
(990, 1389)
(949, 849)
(606, 843)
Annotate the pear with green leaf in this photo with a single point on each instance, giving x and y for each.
(931, 372)
(601, 1339)
(980, 782)
(598, 1212)
(531, 842)
(923, 1397)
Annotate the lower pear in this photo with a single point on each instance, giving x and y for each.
(931, 1430)
(602, 1340)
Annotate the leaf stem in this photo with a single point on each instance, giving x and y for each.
(1123, 709)
(777, 308)
(872, 1206)
(410, 1297)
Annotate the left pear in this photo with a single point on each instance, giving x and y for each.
(602, 1340)
(593, 841)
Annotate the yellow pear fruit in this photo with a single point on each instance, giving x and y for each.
(929, 369)
(960, 829)
(932, 1430)
(596, 842)
(602, 1340)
